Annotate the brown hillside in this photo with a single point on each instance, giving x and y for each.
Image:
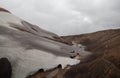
(98, 41)
(105, 61)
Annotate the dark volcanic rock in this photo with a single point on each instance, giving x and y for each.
(5, 68)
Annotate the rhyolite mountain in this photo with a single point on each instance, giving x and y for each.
(105, 59)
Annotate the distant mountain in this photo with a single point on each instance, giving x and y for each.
(105, 60)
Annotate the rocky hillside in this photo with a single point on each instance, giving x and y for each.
(105, 60)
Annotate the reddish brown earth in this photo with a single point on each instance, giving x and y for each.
(104, 61)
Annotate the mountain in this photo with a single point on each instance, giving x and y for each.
(28, 48)
(105, 59)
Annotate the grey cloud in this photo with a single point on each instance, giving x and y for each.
(104, 12)
(66, 17)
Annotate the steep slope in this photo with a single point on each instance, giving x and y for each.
(30, 48)
(15, 22)
(105, 60)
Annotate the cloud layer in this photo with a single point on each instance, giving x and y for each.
(66, 17)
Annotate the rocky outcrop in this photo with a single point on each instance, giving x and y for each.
(5, 68)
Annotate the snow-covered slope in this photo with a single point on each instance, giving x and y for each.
(29, 48)
(9, 19)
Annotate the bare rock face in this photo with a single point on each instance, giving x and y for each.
(105, 61)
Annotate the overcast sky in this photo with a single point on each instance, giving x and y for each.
(67, 17)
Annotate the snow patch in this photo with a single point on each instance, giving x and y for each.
(6, 18)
